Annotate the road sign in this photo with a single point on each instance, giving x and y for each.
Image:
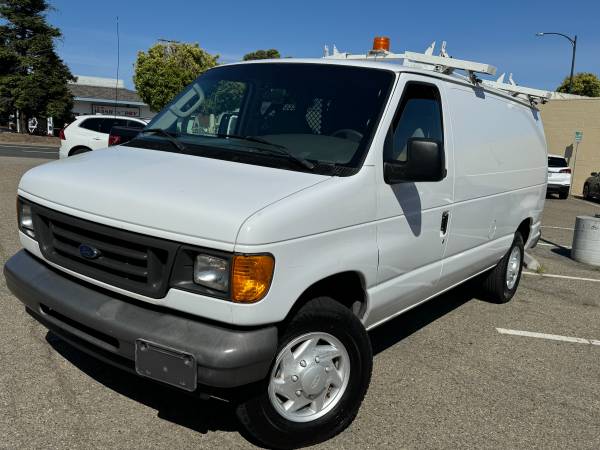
(578, 136)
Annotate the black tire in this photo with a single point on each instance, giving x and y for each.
(79, 150)
(563, 195)
(494, 282)
(586, 192)
(271, 429)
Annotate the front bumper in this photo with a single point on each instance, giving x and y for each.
(106, 325)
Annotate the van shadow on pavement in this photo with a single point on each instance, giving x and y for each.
(399, 328)
(171, 404)
(187, 410)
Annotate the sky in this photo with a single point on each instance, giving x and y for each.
(500, 33)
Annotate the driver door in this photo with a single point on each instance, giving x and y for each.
(413, 217)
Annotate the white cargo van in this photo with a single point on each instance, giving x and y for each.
(255, 260)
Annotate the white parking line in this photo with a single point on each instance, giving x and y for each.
(551, 275)
(557, 228)
(552, 337)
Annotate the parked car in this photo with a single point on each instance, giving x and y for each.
(559, 176)
(87, 133)
(591, 187)
(122, 135)
(250, 263)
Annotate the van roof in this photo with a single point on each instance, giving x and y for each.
(391, 66)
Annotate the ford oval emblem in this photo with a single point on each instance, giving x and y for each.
(88, 252)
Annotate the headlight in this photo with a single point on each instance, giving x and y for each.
(211, 272)
(238, 278)
(25, 218)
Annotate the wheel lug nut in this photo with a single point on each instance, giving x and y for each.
(303, 363)
(327, 369)
(294, 378)
(317, 359)
(298, 393)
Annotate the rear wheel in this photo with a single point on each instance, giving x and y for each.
(317, 382)
(563, 195)
(500, 283)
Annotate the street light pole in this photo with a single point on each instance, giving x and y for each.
(572, 64)
(573, 42)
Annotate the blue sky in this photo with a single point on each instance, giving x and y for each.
(501, 33)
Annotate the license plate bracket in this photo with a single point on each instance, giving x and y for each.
(165, 364)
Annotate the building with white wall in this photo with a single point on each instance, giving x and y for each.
(96, 95)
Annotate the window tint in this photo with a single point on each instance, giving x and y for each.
(324, 113)
(91, 124)
(420, 117)
(108, 123)
(135, 124)
(102, 124)
(554, 161)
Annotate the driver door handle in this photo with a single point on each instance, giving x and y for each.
(444, 225)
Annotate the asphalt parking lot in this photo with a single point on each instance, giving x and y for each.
(443, 377)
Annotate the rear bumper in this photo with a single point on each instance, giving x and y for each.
(555, 187)
(106, 325)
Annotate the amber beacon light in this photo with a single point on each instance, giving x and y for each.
(381, 44)
(251, 277)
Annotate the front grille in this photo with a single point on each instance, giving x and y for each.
(131, 261)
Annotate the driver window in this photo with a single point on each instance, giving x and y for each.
(420, 117)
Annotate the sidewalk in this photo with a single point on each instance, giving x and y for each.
(28, 139)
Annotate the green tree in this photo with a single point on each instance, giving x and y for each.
(166, 68)
(226, 96)
(33, 79)
(584, 83)
(262, 54)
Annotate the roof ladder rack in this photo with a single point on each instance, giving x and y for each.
(447, 65)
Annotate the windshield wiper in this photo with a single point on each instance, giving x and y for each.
(276, 149)
(171, 137)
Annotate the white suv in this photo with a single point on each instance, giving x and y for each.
(559, 176)
(87, 133)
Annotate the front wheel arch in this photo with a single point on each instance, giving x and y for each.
(348, 288)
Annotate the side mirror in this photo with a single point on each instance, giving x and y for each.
(425, 161)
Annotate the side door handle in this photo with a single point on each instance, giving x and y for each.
(444, 226)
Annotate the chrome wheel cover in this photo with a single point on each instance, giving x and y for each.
(309, 377)
(513, 267)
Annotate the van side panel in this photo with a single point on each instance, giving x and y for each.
(500, 177)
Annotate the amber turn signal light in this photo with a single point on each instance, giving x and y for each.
(381, 43)
(251, 277)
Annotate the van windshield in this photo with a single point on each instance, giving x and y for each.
(275, 114)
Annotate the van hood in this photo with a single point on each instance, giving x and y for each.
(185, 195)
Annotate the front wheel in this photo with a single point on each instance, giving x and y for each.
(586, 191)
(500, 283)
(318, 379)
